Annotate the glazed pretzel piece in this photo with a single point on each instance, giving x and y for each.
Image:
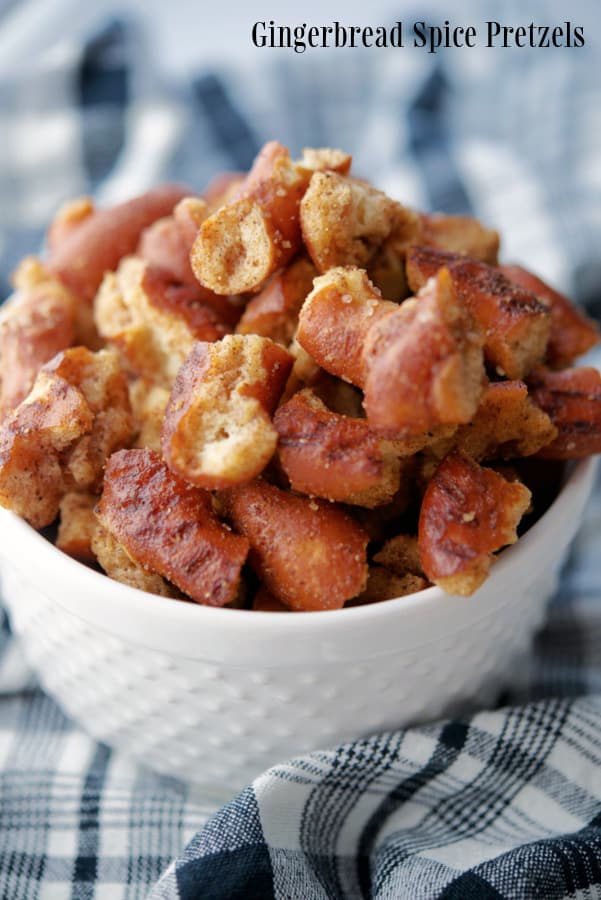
(60, 436)
(148, 402)
(77, 525)
(468, 512)
(95, 240)
(572, 332)
(217, 429)
(572, 399)
(459, 234)
(153, 323)
(38, 323)
(333, 456)
(118, 565)
(423, 364)
(168, 526)
(400, 554)
(382, 584)
(335, 319)
(514, 323)
(346, 221)
(273, 313)
(507, 424)
(241, 244)
(310, 554)
(166, 246)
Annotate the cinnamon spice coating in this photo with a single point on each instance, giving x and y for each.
(168, 526)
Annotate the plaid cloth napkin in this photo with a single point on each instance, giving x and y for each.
(504, 804)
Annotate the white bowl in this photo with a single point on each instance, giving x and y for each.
(215, 696)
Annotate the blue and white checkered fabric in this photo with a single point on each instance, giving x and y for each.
(505, 804)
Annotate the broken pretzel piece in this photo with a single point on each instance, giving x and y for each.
(38, 322)
(273, 313)
(383, 584)
(77, 525)
(507, 424)
(335, 319)
(400, 554)
(168, 526)
(118, 565)
(572, 399)
(310, 554)
(153, 323)
(333, 456)
(217, 430)
(242, 243)
(96, 240)
(60, 436)
(346, 221)
(515, 325)
(459, 234)
(467, 513)
(572, 332)
(423, 364)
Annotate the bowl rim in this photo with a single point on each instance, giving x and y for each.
(190, 629)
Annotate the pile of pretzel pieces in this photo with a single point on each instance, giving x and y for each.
(290, 393)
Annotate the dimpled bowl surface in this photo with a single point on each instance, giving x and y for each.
(215, 696)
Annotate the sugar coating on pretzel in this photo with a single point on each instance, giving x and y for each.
(311, 555)
(60, 436)
(168, 526)
(217, 429)
(328, 455)
(515, 325)
(467, 513)
(153, 324)
(423, 363)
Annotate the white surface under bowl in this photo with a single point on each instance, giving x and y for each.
(217, 695)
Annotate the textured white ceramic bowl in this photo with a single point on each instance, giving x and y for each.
(215, 696)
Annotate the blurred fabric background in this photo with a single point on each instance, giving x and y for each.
(111, 97)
